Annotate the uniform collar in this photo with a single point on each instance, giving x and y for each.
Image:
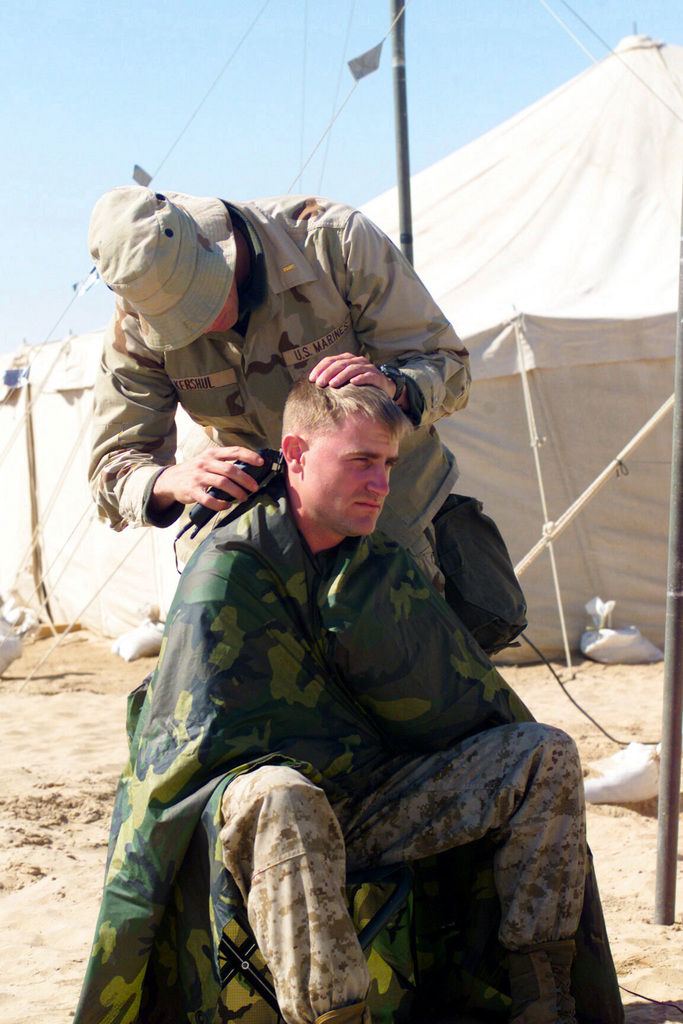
(252, 291)
(286, 266)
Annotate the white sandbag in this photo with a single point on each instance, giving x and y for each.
(11, 647)
(142, 642)
(625, 646)
(23, 621)
(629, 776)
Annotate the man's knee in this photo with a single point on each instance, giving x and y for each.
(277, 800)
(274, 814)
(559, 751)
(271, 784)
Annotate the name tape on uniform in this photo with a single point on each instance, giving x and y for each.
(316, 348)
(211, 380)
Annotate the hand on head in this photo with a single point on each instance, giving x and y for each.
(346, 368)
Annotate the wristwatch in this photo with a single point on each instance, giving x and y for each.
(396, 376)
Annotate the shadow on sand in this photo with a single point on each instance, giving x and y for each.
(654, 1013)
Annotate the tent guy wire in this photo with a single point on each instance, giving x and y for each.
(358, 75)
(342, 63)
(569, 32)
(552, 530)
(211, 87)
(62, 636)
(535, 443)
(609, 49)
(35, 393)
(80, 290)
(87, 512)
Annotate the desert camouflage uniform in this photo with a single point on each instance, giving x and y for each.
(335, 283)
(284, 845)
(350, 671)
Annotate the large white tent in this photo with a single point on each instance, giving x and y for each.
(56, 556)
(552, 244)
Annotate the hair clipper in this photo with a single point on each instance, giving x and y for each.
(200, 514)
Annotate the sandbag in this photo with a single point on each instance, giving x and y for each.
(629, 776)
(11, 646)
(142, 642)
(625, 646)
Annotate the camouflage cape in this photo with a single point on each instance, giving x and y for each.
(331, 665)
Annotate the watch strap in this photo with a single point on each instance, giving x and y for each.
(395, 375)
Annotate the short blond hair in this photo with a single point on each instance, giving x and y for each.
(315, 410)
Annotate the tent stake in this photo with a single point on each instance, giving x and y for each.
(672, 717)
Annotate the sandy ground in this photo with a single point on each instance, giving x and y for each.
(64, 744)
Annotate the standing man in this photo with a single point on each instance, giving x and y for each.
(219, 308)
(318, 706)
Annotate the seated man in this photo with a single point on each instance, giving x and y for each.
(317, 706)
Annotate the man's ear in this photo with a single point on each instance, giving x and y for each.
(293, 448)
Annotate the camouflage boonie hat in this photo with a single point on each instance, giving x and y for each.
(169, 255)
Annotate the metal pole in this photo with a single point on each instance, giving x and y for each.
(672, 718)
(405, 217)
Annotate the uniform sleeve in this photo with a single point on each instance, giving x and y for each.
(134, 434)
(397, 321)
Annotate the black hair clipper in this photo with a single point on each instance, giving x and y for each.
(200, 514)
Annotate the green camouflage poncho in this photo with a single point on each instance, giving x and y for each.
(327, 664)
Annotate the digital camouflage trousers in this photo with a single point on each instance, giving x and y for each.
(288, 850)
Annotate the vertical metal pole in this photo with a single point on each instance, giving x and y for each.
(672, 718)
(405, 217)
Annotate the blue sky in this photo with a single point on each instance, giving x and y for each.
(90, 89)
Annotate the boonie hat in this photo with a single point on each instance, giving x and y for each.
(171, 256)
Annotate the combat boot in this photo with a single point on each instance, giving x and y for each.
(539, 984)
(355, 1014)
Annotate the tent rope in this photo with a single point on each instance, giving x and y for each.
(210, 89)
(536, 441)
(569, 32)
(609, 49)
(342, 65)
(85, 607)
(350, 94)
(87, 511)
(52, 500)
(42, 580)
(553, 530)
(35, 395)
(49, 506)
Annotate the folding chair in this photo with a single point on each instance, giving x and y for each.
(238, 959)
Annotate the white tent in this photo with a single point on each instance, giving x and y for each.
(552, 244)
(556, 234)
(54, 549)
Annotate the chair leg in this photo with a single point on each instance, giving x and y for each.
(401, 876)
(238, 958)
